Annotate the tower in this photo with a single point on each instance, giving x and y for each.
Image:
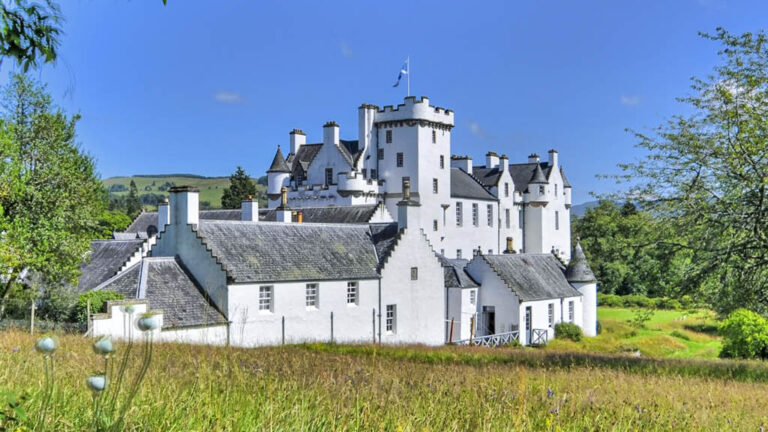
(535, 200)
(581, 277)
(278, 175)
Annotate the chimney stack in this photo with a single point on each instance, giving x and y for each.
(533, 158)
(491, 160)
(185, 205)
(503, 163)
(298, 139)
(249, 210)
(163, 215)
(407, 209)
(510, 246)
(553, 158)
(331, 133)
(462, 162)
(283, 212)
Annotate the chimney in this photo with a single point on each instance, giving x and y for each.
(462, 162)
(491, 160)
(249, 210)
(533, 158)
(185, 205)
(503, 163)
(331, 133)
(299, 217)
(407, 209)
(553, 158)
(510, 246)
(283, 212)
(163, 215)
(298, 139)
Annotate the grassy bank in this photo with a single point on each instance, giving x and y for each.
(321, 387)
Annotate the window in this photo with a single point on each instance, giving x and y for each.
(459, 214)
(374, 174)
(351, 293)
(391, 319)
(434, 225)
(570, 311)
(434, 136)
(365, 173)
(312, 296)
(555, 190)
(458, 253)
(475, 215)
(507, 217)
(551, 312)
(328, 176)
(490, 215)
(557, 220)
(506, 189)
(381, 154)
(442, 161)
(472, 297)
(434, 185)
(541, 190)
(389, 136)
(414, 273)
(520, 219)
(265, 298)
(399, 159)
(490, 251)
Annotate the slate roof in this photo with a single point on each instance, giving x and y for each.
(538, 175)
(578, 268)
(566, 183)
(350, 151)
(124, 235)
(464, 185)
(532, 276)
(384, 236)
(142, 222)
(168, 288)
(145, 220)
(104, 260)
(222, 214)
(489, 177)
(253, 252)
(278, 163)
(344, 214)
(455, 276)
(303, 157)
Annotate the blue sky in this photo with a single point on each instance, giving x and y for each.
(201, 87)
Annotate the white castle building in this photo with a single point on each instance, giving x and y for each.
(388, 238)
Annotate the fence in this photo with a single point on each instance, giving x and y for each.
(40, 316)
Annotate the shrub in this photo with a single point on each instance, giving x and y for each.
(610, 300)
(98, 303)
(640, 317)
(745, 334)
(568, 331)
(680, 335)
(668, 303)
(640, 301)
(599, 328)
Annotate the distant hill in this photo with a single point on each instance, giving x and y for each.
(580, 209)
(152, 187)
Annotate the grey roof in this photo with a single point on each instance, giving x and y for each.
(343, 214)
(278, 163)
(566, 183)
(142, 222)
(303, 157)
(578, 268)
(104, 260)
(384, 236)
(455, 275)
(273, 252)
(145, 220)
(350, 151)
(222, 214)
(463, 185)
(168, 288)
(489, 177)
(532, 276)
(538, 175)
(124, 235)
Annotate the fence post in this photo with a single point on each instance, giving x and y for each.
(450, 337)
(283, 330)
(373, 322)
(88, 316)
(471, 330)
(331, 327)
(32, 318)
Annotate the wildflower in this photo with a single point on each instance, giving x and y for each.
(103, 346)
(148, 322)
(550, 393)
(46, 345)
(555, 411)
(639, 410)
(15, 350)
(96, 382)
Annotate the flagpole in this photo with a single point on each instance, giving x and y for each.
(408, 60)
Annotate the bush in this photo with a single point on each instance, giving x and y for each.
(568, 331)
(640, 301)
(98, 303)
(745, 334)
(668, 303)
(640, 317)
(599, 328)
(610, 300)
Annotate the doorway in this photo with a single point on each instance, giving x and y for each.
(489, 319)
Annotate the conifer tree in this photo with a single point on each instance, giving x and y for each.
(240, 188)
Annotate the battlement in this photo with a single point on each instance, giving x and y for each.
(415, 109)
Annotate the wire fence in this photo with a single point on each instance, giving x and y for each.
(40, 316)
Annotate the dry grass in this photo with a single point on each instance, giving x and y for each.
(193, 388)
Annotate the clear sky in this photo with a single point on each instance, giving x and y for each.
(202, 86)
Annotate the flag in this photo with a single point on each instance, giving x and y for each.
(403, 71)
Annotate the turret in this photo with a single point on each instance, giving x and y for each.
(278, 175)
(537, 187)
(583, 279)
(566, 188)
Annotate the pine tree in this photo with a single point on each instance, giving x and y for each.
(133, 204)
(240, 188)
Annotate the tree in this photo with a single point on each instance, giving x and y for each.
(706, 176)
(240, 188)
(30, 32)
(133, 202)
(50, 195)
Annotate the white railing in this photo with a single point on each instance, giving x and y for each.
(539, 337)
(493, 340)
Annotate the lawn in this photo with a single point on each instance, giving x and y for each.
(669, 333)
(334, 388)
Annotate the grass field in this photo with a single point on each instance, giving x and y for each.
(329, 387)
(669, 333)
(211, 188)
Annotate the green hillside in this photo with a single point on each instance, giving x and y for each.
(152, 186)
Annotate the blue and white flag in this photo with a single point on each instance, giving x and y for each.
(403, 71)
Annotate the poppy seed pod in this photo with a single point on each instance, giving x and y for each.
(46, 345)
(96, 383)
(148, 322)
(103, 346)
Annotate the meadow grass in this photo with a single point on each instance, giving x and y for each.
(340, 388)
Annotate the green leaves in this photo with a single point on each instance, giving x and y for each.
(30, 32)
(240, 188)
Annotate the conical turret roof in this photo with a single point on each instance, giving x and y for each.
(538, 176)
(566, 183)
(578, 268)
(278, 163)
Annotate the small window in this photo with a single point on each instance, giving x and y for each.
(506, 189)
(472, 297)
(507, 218)
(389, 136)
(459, 214)
(490, 251)
(557, 220)
(265, 298)
(434, 185)
(414, 273)
(442, 161)
(520, 219)
(555, 190)
(365, 173)
(381, 154)
(570, 311)
(434, 225)
(351, 293)
(551, 312)
(458, 253)
(391, 319)
(399, 159)
(541, 190)
(490, 215)
(475, 215)
(374, 174)
(434, 136)
(312, 296)
(328, 176)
